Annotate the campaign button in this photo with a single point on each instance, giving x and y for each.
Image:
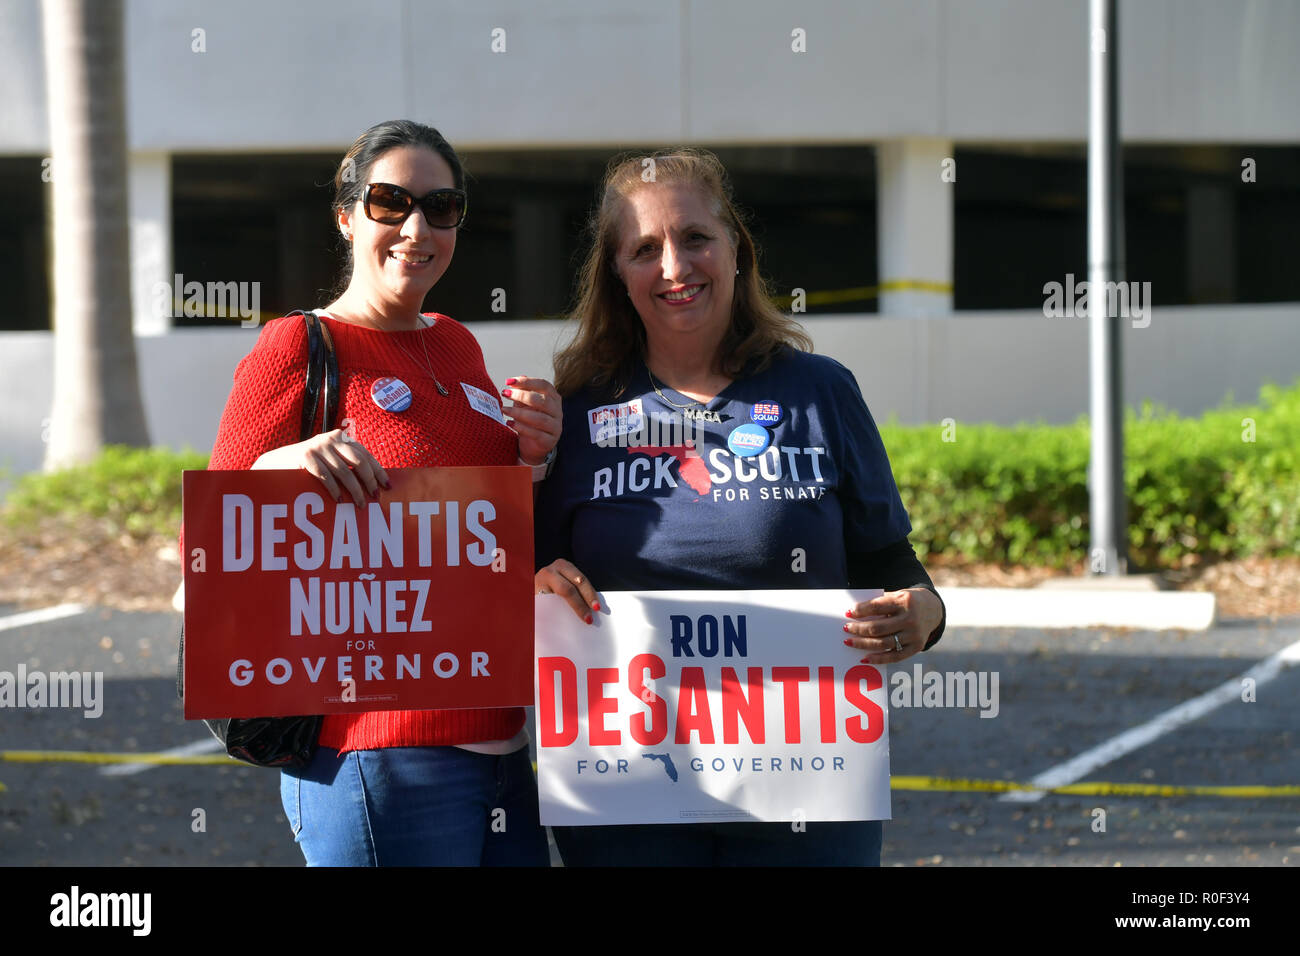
(391, 394)
(765, 413)
(746, 441)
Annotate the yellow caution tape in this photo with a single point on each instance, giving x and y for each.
(938, 784)
(865, 292)
(1093, 789)
(86, 756)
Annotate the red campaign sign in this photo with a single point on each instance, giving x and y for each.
(296, 604)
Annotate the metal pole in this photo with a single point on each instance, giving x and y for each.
(1108, 553)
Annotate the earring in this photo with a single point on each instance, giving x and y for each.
(737, 270)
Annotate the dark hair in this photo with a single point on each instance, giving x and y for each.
(354, 171)
(610, 340)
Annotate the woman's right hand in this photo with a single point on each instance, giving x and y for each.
(342, 464)
(562, 578)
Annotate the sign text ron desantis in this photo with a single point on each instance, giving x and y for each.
(296, 604)
(708, 706)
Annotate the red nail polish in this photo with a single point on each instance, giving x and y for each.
(595, 605)
(588, 618)
(848, 642)
(505, 392)
(511, 381)
(867, 660)
(848, 613)
(388, 485)
(846, 627)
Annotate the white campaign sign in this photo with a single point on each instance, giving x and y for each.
(708, 706)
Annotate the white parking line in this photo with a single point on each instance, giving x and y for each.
(209, 746)
(24, 618)
(1088, 761)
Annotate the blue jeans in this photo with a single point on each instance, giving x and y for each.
(415, 806)
(722, 844)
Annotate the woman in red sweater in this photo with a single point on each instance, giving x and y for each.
(438, 787)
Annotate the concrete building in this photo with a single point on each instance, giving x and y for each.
(904, 160)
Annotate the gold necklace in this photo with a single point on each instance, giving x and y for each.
(428, 365)
(655, 385)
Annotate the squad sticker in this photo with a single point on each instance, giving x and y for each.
(765, 413)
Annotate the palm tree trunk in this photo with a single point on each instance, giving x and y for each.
(96, 383)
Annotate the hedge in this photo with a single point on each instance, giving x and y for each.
(1224, 485)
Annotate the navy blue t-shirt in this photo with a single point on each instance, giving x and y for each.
(643, 497)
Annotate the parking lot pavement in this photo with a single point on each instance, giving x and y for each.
(1058, 694)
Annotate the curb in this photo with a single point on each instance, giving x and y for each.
(1053, 608)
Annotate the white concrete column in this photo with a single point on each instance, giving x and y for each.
(916, 179)
(150, 198)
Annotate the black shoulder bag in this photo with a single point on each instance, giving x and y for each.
(284, 741)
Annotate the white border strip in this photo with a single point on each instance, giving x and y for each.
(39, 617)
(1137, 737)
(1049, 607)
(209, 746)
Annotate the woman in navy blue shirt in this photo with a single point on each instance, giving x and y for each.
(704, 446)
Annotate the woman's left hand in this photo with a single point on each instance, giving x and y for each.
(535, 415)
(909, 616)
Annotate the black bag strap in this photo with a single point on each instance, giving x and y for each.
(322, 370)
(327, 421)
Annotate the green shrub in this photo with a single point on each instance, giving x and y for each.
(130, 490)
(1196, 489)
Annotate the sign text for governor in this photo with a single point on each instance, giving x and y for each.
(296, 604)
(708, 706)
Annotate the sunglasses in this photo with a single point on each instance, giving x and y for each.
(390, 205)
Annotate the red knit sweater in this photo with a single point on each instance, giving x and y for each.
(264, 412)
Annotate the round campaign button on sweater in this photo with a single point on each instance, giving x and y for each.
(391, 394)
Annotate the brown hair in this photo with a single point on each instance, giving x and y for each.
(610, 342)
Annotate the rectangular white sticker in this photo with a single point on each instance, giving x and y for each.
(610, 421)
(484, 402)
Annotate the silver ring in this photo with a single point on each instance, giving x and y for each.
(897, 646)
(545, 590)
